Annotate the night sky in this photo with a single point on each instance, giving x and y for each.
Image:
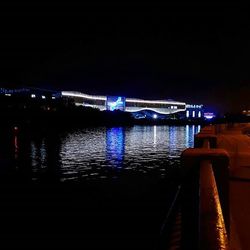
(187, 52)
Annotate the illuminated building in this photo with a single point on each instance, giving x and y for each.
(194, 111)
(140, 108)
(152, 107)
(34, 93)
(125, 104)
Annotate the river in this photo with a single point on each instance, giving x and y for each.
(98, 188)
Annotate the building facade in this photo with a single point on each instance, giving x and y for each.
(138, 107)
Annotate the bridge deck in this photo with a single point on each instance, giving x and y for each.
(238, 146)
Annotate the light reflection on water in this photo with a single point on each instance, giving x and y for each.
(115, 146)
(125, 176)
(99, 153)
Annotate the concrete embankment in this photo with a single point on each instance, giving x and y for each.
(235, 139)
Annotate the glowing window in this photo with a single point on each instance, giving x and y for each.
(199, 114)
(187, 113)
(193, 113)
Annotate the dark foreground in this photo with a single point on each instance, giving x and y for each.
(94, 216)
(42, 207)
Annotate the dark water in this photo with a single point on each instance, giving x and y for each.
(95, 188)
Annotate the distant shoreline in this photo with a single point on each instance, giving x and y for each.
(58, 115)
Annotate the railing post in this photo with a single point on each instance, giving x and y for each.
(220, 168)
(191, 162)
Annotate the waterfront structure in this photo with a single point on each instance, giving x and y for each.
(216, 172)
(30, 99)
(194, 111)
(34, 93)
(139, 107)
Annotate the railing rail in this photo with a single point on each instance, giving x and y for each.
(202, 198)
(205, 196)
(212, 229)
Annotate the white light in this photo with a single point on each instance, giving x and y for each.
(208, 115)
(199, 128)
(158, 110)
(199, 114)
(77, 94)
(33, 96)
(153, 102)
(53, 97)
(155, 116)
(193, 113)
(155, 136)
(8, 94)
(43, 97)
(194, 106)
(187, 113)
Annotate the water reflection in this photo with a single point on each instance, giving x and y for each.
(191, 130)
(115, 146)
(155, 135)
(198, 128)
(16, 146)
(99, 153)
(38, 154)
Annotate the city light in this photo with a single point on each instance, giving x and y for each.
(155, 116)
(209, 115)
(154, 102)
(163, 111)
(115, 103)
(194, 106)
(134, 105)
(77, 94)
